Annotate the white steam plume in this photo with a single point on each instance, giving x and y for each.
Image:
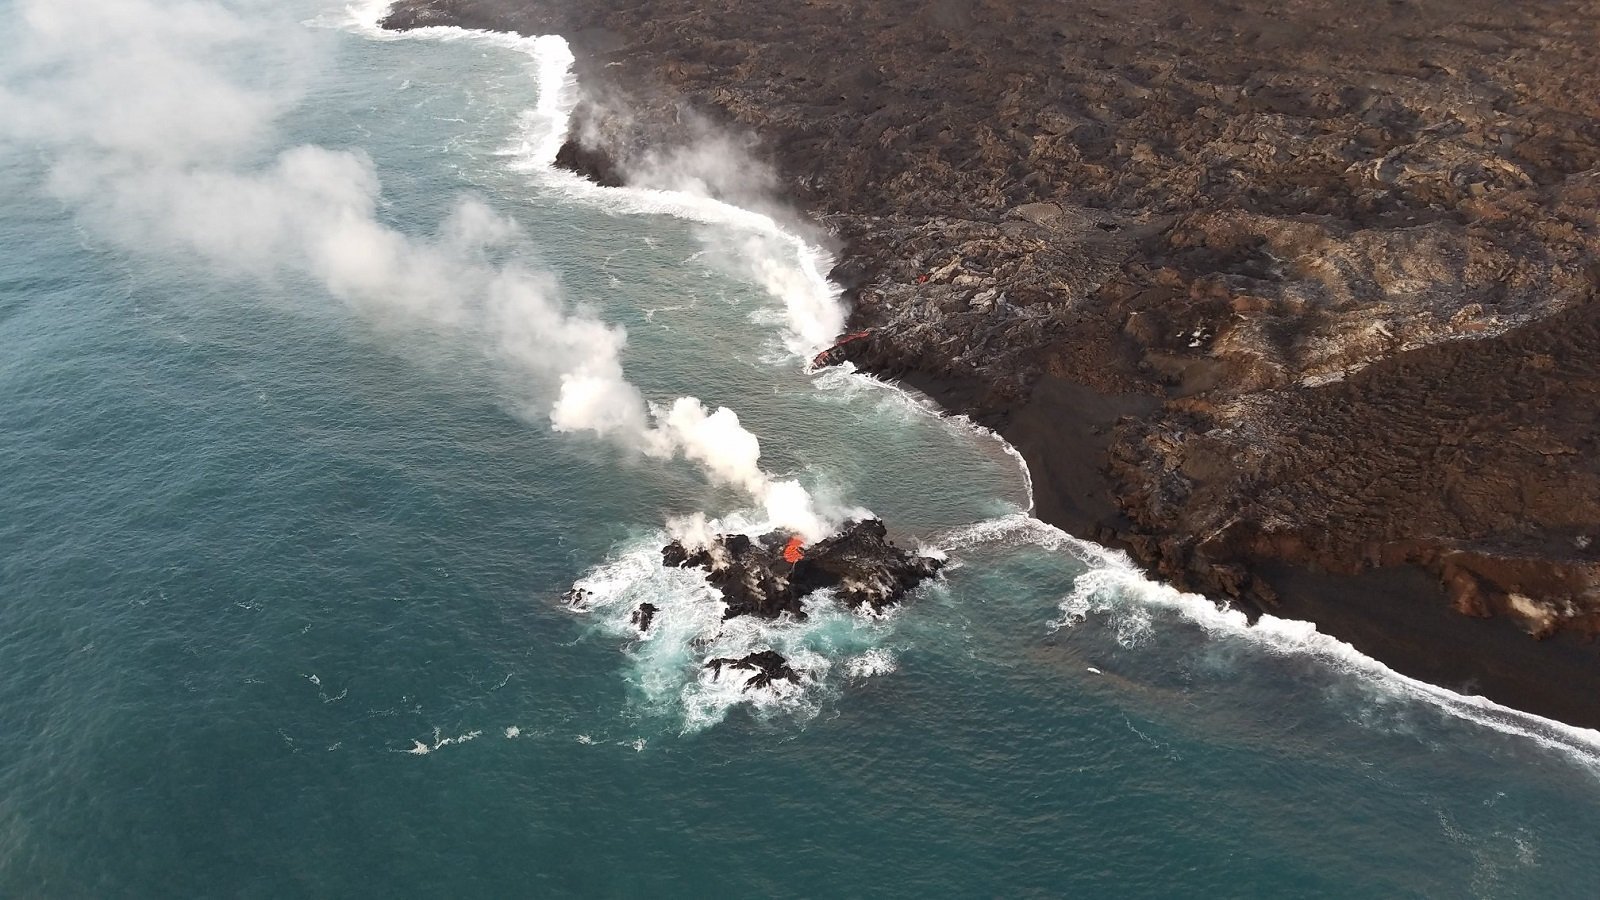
(157, 142)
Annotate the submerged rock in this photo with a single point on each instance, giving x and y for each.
(643, 616)
(768, 666)
(756, 578)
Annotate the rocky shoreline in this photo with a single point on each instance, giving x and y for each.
(1295, 302)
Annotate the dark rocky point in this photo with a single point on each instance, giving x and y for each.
(859, 562)
(768, 666)
(643, 616)
(595, 165)
(849, 346)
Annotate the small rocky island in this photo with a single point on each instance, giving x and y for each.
(772, 575)
(769, 576)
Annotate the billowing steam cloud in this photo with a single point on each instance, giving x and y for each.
(156, 139)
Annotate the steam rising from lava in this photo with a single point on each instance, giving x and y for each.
(156, 136)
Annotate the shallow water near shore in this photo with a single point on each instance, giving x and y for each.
(280, 602)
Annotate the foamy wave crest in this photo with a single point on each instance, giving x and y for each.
(423, 748)
(667, 663)
(1021, 530)
(758, 249)
(1116, 590)
(544, 126)
(1119, 587)
(878, 661)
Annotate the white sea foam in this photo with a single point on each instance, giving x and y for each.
(1114, 587)
(786, 265)
(422, 748)
(877, 661)
(667, 663)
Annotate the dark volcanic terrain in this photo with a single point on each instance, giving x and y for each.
(1296, 301)
(858, 563)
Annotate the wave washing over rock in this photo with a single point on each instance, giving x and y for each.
(1115, 591)
(626, 589)
(771, 575)
(755, 594)
(691, 661)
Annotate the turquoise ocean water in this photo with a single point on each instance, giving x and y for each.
(280, 584)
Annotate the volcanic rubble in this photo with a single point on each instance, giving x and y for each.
(756, 577)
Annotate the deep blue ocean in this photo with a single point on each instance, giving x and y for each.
(284, 538)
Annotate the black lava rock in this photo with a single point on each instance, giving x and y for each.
(643, 616)
(595, 165)
(858, 561)
(768, 666)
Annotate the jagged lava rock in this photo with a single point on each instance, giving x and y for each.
(768, 665)
(858, 562)
(643, 616)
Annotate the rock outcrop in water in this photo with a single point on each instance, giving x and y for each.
(1295, 302)
(766, 666)
(642, 616)
(593, 163)
(858, 562)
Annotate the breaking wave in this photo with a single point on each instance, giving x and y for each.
(668, 671)
(1113, 590)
